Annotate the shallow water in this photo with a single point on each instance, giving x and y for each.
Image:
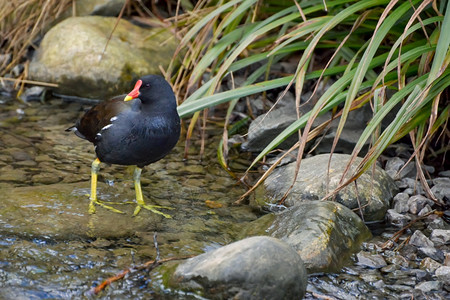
(46, 250)
(50, 247)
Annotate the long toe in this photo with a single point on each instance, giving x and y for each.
(92, 207)
(154, 209)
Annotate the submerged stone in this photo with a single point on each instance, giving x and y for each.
(60, 211)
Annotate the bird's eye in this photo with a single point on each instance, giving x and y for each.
(147, 85)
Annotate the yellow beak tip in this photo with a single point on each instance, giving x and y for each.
(128, 98)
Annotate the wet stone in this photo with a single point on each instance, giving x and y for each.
(45, 178)
(21, 155)
(43, 157)
(5, 158)
(324, 233)
(14, 142)
(25, 163)
(12, 175)
(253, 268)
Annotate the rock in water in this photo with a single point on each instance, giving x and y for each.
(253, 268)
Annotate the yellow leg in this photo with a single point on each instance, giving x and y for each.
(140, 198)
(94, 171)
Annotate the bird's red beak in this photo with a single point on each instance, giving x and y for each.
(135, 92)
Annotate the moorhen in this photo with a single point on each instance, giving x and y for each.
(137, 129)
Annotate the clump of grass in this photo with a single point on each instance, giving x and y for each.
(21, 23)
(374, 46)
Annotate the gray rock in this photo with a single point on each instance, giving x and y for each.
(396, 219)
(374, 193)
(425, 210)
(253, 268)
(441, 180)
(401, 203)
(349, 135)
(418, 239)
(325, 234)
(428, 286)
(437, 223)
(445, 173)
(443, 274)
(440, 237)
(432, 253)
(370, 260)
(35, 93)
(417, 203)
(394, 167)
(441, 190)
(266, 127)
(70, 53)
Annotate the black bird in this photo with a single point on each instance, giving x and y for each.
(137, 129)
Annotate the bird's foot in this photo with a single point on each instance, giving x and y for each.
(95, 201)
(152, 208)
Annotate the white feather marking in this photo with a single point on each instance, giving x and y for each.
(113, 119)
(106, 127)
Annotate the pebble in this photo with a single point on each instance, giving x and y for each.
(437, 224)
(443, 274)
(396, 219)
(401, 203)
(425, 210)
(393, 165)
(429, 265)
(440, 237)
(45, 178)
(445, 173)
(420, 240)
(417, 203)
(21, 155)
(428, 286)
(43, 157)
(441, 180)
(431, 252)
(441, 190)
(367, 259)
(13, 175)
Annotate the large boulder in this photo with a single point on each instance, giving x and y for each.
(253, 268)
(78, 55)
(325, 234)
(373, 194)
